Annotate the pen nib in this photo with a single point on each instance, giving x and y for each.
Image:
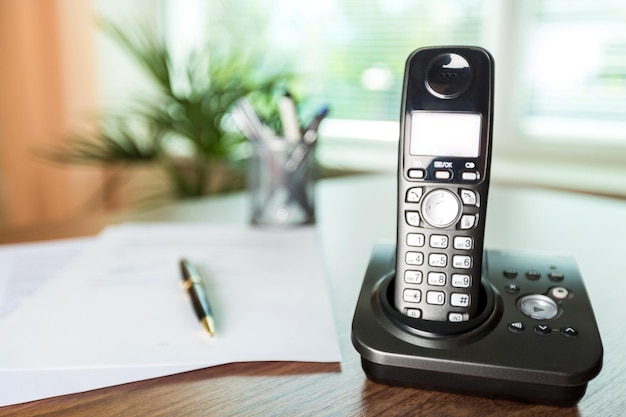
(209, 325)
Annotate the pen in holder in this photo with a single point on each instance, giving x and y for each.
(281, 178)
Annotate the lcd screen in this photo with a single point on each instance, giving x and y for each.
(445, 134)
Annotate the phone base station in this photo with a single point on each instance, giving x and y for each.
(535, 338)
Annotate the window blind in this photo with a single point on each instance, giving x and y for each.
(575, 73)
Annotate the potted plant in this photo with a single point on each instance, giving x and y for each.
(184, 130)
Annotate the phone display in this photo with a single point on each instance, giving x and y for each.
(445, 133)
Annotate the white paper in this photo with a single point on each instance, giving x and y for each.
(27, 267)
(120, 305)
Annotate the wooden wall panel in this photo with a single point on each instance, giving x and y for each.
(47, 87)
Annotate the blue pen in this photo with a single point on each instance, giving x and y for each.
(315, 123)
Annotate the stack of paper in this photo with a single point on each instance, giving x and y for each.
(117, 312)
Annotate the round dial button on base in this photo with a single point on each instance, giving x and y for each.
(538, 307)
(441, 208)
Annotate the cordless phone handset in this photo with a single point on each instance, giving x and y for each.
(443, 181)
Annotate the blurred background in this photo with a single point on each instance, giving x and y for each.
(560, 115)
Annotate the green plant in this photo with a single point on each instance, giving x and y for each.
(188, 111)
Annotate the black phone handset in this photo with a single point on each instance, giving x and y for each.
(443, 181)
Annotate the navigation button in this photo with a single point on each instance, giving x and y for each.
(569, 331)
(440, 208)
(542, 329)
(538, 307)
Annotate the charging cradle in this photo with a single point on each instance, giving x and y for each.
(535, 338)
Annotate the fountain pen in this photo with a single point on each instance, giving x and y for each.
(193, 284)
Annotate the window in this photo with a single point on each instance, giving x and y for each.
(350, 53)
(574, 72)
(560, 74)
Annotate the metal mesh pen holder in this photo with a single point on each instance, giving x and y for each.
(281, 179)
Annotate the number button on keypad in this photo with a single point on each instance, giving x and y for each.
(462, 261)
(463, 243)
(435, 297)
(437, 279)
(414, 258)
(413, 277)
(439, 241)
(412, 296)
(461, 280)
(459, 300)
(437, 259)
(415, 239)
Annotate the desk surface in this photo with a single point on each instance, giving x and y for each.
(353, 214)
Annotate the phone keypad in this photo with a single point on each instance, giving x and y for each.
(441, 269)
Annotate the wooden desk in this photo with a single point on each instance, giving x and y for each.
(353, 214)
